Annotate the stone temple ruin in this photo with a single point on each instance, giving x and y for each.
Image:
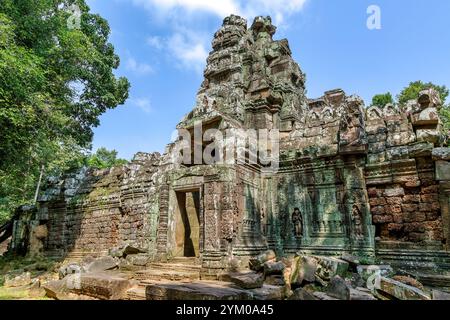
(366, 181)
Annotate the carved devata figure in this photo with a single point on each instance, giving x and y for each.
(297, 221)
(357, 222)
(352, 124)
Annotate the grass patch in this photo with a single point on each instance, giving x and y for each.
(18, 294)
(13, 294)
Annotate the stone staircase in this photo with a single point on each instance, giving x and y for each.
(73, 256)
(178, 269)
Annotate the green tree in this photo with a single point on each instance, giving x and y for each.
(104, 158)
(380, 100)
(55, 82)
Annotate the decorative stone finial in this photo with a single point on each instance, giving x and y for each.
(234, 20)
(262, 26)
(429, 98)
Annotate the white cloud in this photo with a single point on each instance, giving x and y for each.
(143, 104)
(189, 46)
(189, 49)
(138, 68)
(220, 8)
(278, 9)
(155, 42)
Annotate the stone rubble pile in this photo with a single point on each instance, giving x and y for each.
(305, 277)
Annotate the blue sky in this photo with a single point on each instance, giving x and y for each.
(163, 45)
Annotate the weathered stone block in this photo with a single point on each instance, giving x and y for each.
(247, 280)
(365, 271)
(102, 264)
(257, 263)
(441, 154)
(381, 219)
(400, 290)
(328, 267)
(361, 294)
(428, 135)
(302, 294)
(303, 269)
(394, 192)
(338, 288)
(442, 170)
(271, 268)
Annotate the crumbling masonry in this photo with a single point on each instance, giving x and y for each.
(366, 181)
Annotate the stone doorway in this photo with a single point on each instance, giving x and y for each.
(187, 224)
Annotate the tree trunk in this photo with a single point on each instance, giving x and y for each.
(39, 184)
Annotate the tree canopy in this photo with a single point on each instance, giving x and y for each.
(104, 158)
(56, 80)
(380, 100)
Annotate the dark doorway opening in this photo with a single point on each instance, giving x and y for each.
(187, 231)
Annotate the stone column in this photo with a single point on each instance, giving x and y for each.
(444, 198)
(443, 176)
(161, 240)
(212, 256)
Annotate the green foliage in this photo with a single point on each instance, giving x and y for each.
(380, 100)
(55, 82)
(445, 116)
(104, 158)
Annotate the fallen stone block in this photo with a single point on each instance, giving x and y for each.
(409, 281)
(303, 269)
(275, 280)
(328, 267)
(258, 262)
(361, 294)
(399, 290)
(268, 292)
(353, 261)
(100, 285)
(302, 294)
(71, 268)
(200, 290)
(271, 268)
(245, 280)
(56, 289)
(338, 288)
(367, 271)
(440, 295)
(102, 264)
(323, 296)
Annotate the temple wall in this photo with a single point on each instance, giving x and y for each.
(407, 214)
(400, 172)
(92, 211)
